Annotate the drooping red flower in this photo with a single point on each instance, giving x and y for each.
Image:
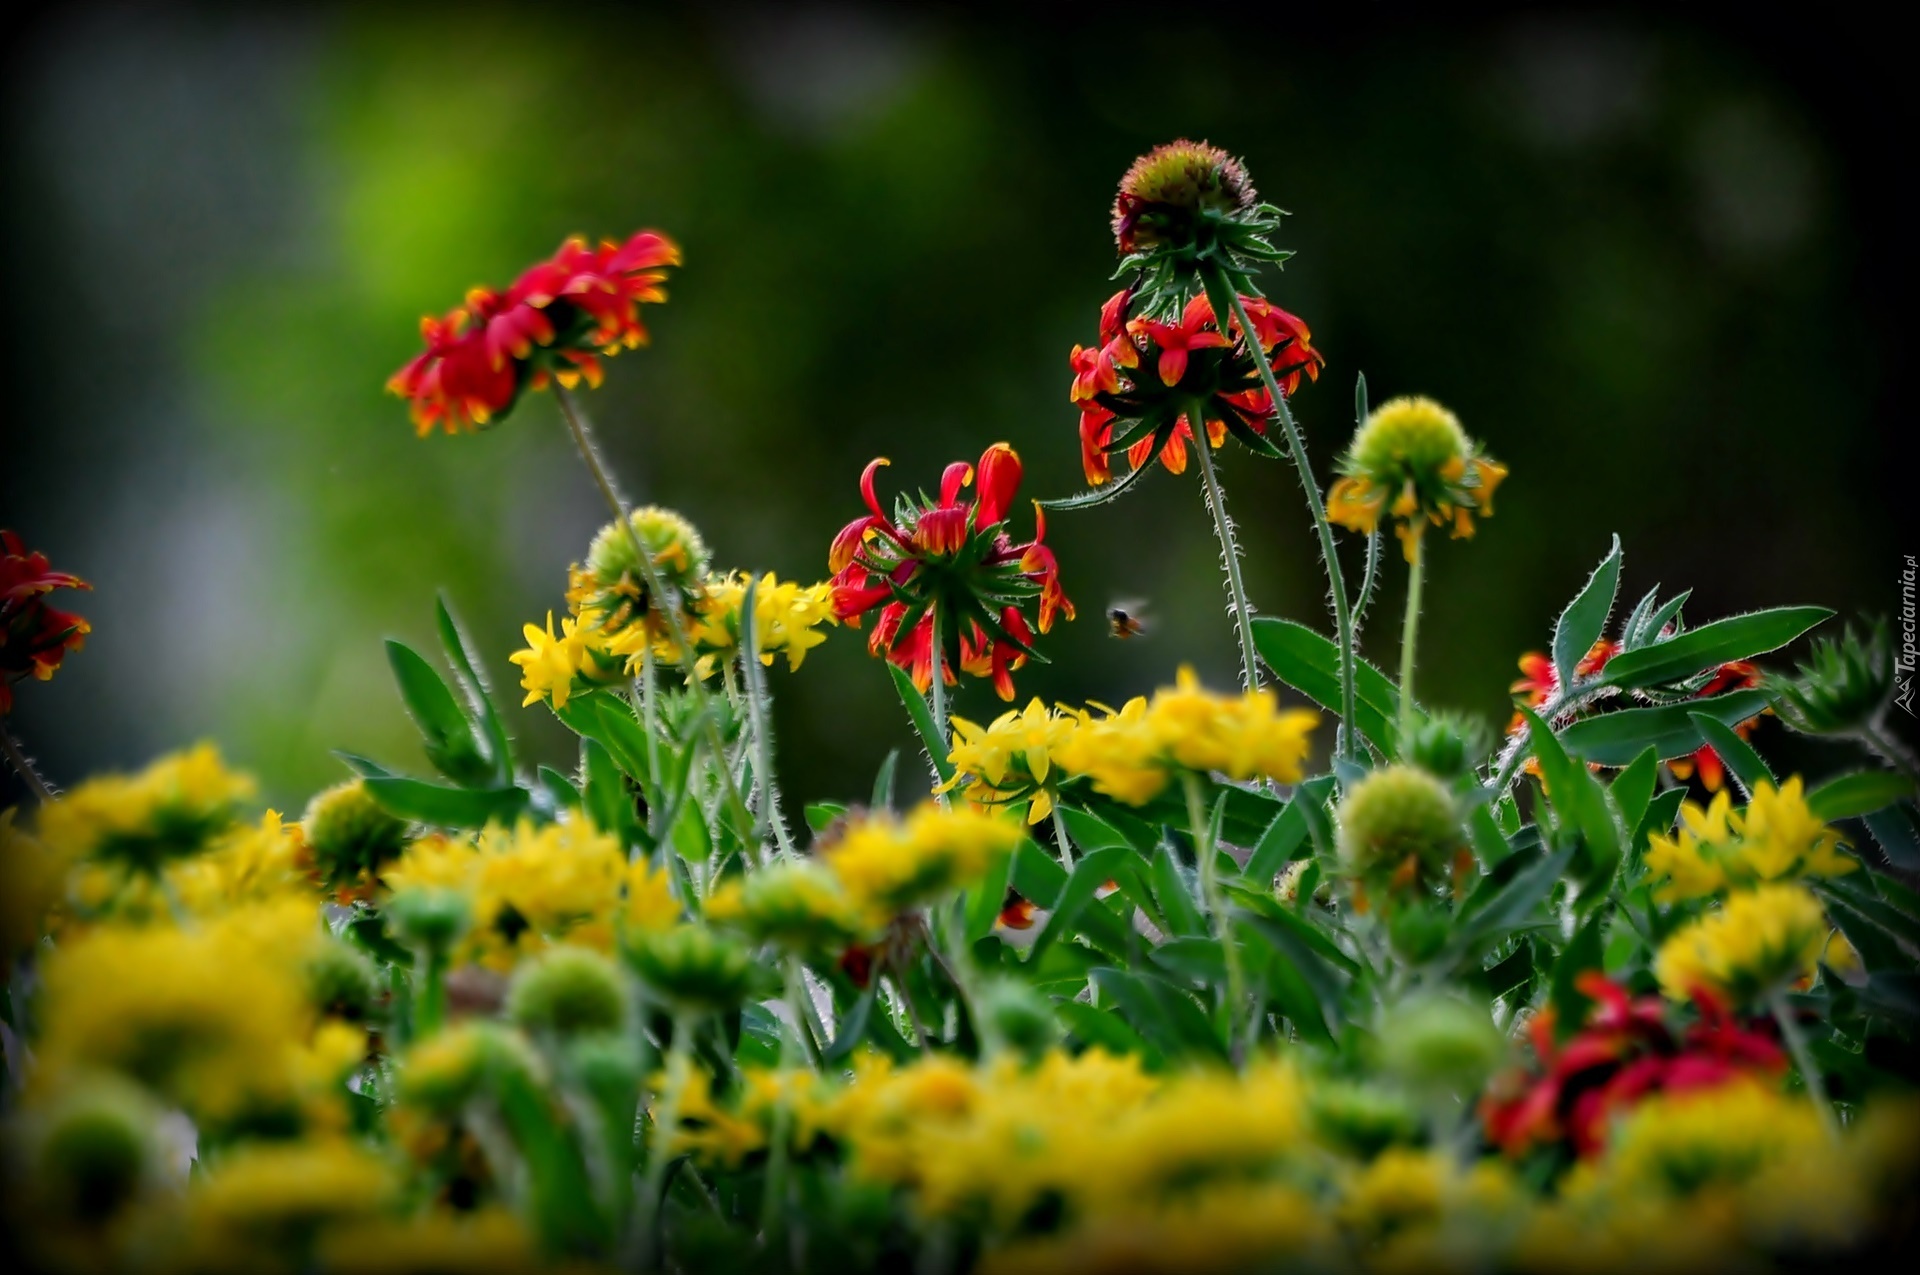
(557, 321)
(1154, 381)
(950, 560)
(1625, 1051)
(34, 636)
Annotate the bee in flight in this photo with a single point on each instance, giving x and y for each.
(1127, 619)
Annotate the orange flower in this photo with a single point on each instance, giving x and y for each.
(1703, 761)
(1195, 331)
(34, 637)
(1538, 682)
(557, 321)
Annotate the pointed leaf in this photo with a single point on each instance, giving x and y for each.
(1616, 738)
(1288, 831)
(1582, 954)
(445, 807)
(1632, 788)
(1310, 663)
(1089, 874)
(1746, 764)
(480, 705)
(1585, 618)
(883, 781)
(1096, 1028)
(1738, 637)
(1863, 793)
(444, 729)
(922, 719)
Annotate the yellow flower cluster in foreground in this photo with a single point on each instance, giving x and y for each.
(1776, 838)
(1131, 755)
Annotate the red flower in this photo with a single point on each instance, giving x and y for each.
(1201, 377)
(949, 560)
(1538, 683)
(1704, 761)
(34, 637)
(560, 317)
(1625, 1051)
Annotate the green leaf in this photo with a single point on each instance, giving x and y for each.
(1037, 875)
(606, 800)
(1090, 832)
(1893, 828)
(565, 794)
(987, 897)
(1661, 812)
(1633, 787)
(1577, 797)
(1166, 1015)
(1095, 1028)
(1294, 955)
(1585, 618)
(1616, 738)
(1094, 870)
(364, 767)
(446, 807)
(1099, 495)
(922, 718)
(1509, 898)
(1288, 831)
(1509, 974)
(1197, 958)
(444, 729)
(1862, 793)
(883, 781)
(608, 720)
(481, 708)
(1175, 898)
(1864, 899)
(822, 813)
(1310, 664)
(1487, 839)
(1737, 637)
(1747, 766)
(1582, 954)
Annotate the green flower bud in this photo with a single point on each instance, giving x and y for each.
(568, 991)
(1843, 687)
(611, 589)
(1396, 815)
(1363, 1119)
(446, 1071)
(1016, 1016)
(341, 981)
(94, 1149)
(1447, 745)
(1440, 1044)
(350, 836)
(693, 968)
(605, 1064)
(431, 917)
(796, 903)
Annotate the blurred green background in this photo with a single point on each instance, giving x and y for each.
(1657, 266)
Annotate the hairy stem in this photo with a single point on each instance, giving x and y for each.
(656, 589)
(1810, 1076)
(23, 766)
(760, 717)
(773, 1202)
(666, 1120)
(1230, 555)
(937, 698)
(1409, 641)
(1207, 852)
(1060, 836)
(1336, 581)
(1878, 740)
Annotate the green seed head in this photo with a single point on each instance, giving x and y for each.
(1439, 1044)
(1397, 813)
(431, 917)
(693, 967)
(1363, 1119)
(349, 833)
(1409, 438)
(341, 981)
(1447, 745)
(568, 991)
(1843, 687)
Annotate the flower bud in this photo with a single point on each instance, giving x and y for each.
(1440, 1044)
(340, 980)
(446, 1071)
(568, 991)
(605, 1064)
(350, 836)
(431, 917)
(611, 590)
(1172, 191)
(693, 967)
(94, 1149)
(1447, 745)
(795, 903)
(1843, 687)
(1362, 1119)
(1397, 815)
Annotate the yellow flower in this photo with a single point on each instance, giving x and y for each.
(213, 1018)
(610, 591)
(31, 877)
(541, 883)
(796, 903)
(1133, 755)
(650, 904)
(248, 865)
(1761, 941)
(787, 620)
(887, 865)
(548, 664)
(1228, 1227)
(1011, 759)
(170, 810)
(1412, 461)
(266, 1191)
(705, 1129)
(1776, 838)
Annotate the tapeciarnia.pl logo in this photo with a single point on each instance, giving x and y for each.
(1903, 662)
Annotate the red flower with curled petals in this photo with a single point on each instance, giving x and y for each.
(1194, 331)
(557, 321)
(950, 561)
(35, 637)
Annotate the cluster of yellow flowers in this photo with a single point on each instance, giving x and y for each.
(1132, 754)
(1088, 1162)
(1769, 931)
(1776, 838)
(615, 624)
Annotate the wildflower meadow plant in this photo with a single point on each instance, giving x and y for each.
(1301, 973)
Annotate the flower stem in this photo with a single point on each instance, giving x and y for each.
(1230, 555)
(666, 1121)
(1409, 640)
(760, 716)
(1875, 736)
(773, 1201)
(1336, 581)
(656, 589)
(1207, 852)
(23, 766)
(430, 1003)
(1810, 1076)
(1060, 835)
(937, 697)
